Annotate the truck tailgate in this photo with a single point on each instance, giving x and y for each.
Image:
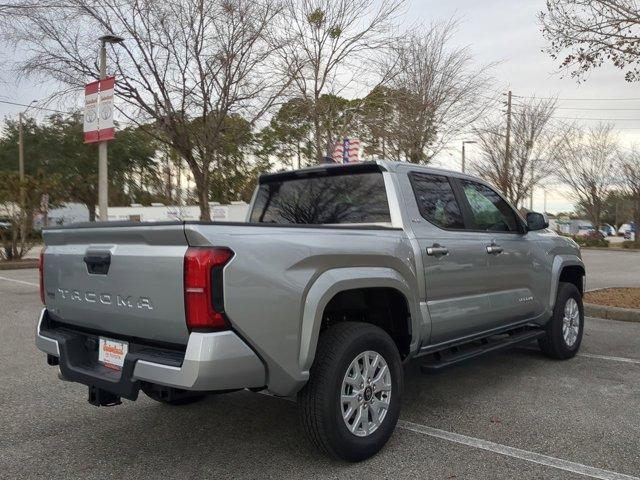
(124, 281)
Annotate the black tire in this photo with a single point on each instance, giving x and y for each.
(177, 397)
(554, 344)
(319, 401)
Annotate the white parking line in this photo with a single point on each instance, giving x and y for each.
(612, 359)
(19, 281)
(515, 452)
(593, 355)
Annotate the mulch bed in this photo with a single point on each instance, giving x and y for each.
(615, 297)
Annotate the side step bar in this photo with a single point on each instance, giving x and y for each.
(488, 345)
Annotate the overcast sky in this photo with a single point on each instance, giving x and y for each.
(504, 31)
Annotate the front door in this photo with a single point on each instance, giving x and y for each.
(454, 259)
(514, 271)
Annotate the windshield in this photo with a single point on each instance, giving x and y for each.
(347, 198)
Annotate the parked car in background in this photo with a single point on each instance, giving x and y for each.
(624, 228)
(607, 230)
(595, 234)
(589, 231)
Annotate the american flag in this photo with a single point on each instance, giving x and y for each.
(348, 151)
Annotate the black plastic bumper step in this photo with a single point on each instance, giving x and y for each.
(462, 353)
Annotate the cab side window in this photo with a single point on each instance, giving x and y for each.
(436, 200)
(490, 212)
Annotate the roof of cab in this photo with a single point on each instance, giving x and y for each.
(360, 167)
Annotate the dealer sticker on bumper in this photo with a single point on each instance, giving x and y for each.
(111, 353)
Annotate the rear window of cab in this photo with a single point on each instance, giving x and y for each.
(328, 199)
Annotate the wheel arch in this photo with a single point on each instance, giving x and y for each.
(333, 282)
(566, 268)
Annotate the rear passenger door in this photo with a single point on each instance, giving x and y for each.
(513, 269)
(454, 259)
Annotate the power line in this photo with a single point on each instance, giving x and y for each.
(35, 108)
(599, 119)
(126, 123)
(533, 97)
(600, 109)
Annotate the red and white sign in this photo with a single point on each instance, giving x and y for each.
(98, 110)
(348, 151)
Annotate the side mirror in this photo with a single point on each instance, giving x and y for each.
(537, 221)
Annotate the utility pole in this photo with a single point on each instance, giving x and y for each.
(544, 208)
(23, 206)
(179, 179)
(23, 193)
(507, 149)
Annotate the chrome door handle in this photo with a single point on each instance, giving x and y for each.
(494, 249)
(437, 250)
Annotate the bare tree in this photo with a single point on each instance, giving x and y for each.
(184, 68)
(584, 34)
(631, 181)
(590, 167)
(536, 142)
(434, 96)
(330, 49)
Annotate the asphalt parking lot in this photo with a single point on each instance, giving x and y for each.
(611, 268)
(515, 415)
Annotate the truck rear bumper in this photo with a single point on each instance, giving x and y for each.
(212, 361)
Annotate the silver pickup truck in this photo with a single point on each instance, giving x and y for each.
(340, 275)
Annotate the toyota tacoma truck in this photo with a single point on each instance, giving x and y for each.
(339, 276)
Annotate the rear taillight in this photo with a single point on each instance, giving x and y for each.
(41, 274)
(203, 296)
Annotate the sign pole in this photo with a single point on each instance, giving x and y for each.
(103, 169)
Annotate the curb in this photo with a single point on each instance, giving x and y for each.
(30, 263)
(611, 249)
(612, 313)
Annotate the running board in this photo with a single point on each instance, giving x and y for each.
(461, 354)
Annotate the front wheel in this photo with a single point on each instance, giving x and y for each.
(565, 329)
(351, 404)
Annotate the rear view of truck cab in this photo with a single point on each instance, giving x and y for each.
(139, 310)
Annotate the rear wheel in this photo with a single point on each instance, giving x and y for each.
(350, 406)
(565, 329)
(173, 396)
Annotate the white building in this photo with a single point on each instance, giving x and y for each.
(158, 212)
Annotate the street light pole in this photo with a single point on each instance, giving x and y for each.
(103, 166)
(463, 153)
